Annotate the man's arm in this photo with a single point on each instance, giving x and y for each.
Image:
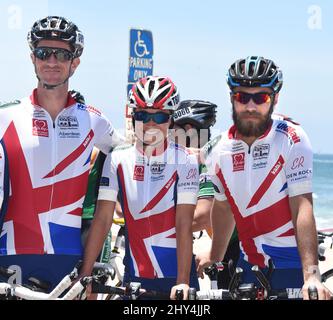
(98, 231)
(306, 237)
(201, 220)
(223, 224)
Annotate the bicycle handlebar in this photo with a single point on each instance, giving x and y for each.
(101, 272)
(133, 291)
(223, 294)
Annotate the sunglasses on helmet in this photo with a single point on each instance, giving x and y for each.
(145, 117)
(257, 98)
(62, 55)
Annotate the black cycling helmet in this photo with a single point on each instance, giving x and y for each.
(57, 28)
(200, 114)
(255, 71)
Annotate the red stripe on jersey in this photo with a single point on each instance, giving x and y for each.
(72, 157)
(76, 212)
(289, 233)
(257, 224)
(267, 182)
(140, 229)
(160, 194)
(26, 203)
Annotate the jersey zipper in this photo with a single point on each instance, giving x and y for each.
(54, 150)
(148, 199)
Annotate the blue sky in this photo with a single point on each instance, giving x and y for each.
(194, 43)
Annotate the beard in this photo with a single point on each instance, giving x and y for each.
(249, 128)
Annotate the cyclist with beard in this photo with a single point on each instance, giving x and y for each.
(262, 172)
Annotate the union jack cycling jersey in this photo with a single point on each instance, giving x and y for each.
(150, 189)
(257, 181)
(48, 164)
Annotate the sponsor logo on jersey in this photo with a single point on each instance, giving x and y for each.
(70, 135)
(289, 131)
(68, 122)
(261, 152)
(94, 110)
(259, 165)
(157, 168)
(192, 174)
(39, 114)
(88, 139)
(139, 173)
(238, 161)
(89, 108)
(40, 128)
(297, 163)
(237, 146)
(105, 182)
(139, 160)
(277, 168)
(299, 175)
(188, 185)
(157, 178)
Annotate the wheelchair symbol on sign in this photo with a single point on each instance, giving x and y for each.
(140, 47)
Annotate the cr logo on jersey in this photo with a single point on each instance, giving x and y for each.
(298, 163)
(40, 128)
(238, 161)
(192, 174)
(139, 173)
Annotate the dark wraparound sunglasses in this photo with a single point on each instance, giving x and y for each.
(158, 117)
(62, 55)
(257, 98)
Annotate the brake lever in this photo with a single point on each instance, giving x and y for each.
(134, 290)
(235, 282)
(262, 279)
(179, 294)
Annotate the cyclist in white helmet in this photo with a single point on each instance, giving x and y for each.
(48, 139)
(157, 181)
(262, 172)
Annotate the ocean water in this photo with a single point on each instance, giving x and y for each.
(323, 190)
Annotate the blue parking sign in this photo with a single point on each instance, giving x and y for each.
(141, 54)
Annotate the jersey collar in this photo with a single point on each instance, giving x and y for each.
(157, 152)
(34, 99)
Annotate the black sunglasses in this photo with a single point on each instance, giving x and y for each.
(62, 55)
(158, 117)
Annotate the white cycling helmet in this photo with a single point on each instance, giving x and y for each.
(154, 92)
